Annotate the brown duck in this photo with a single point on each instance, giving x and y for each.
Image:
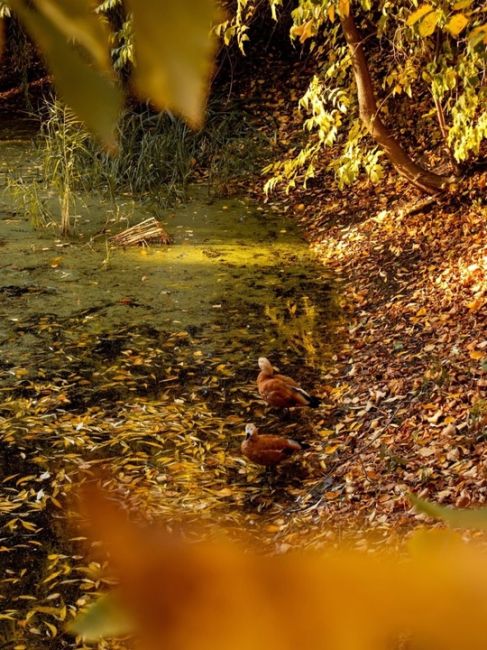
(265, 449)
(281, 391)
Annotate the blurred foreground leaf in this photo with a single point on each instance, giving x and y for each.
(90, 92)
(219, 594)
(459, 518)
(174, 54)
(78, 22)
(103, 618)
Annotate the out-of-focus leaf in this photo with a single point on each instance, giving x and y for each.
(196, 595)
(178, 77)
(459, 518)
(92, 94)
(77, 21)
(103, 618)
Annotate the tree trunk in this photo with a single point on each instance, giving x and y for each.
(422, 178)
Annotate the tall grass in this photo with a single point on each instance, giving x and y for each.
(158, 154)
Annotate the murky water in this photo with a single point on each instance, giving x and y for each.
(145, 358)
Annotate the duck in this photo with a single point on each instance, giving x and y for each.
(281, 391)
(266, 449)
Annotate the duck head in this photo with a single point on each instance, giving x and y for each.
(265, 365)
(250, 430)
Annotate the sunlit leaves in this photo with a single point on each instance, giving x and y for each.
(428, 24)
(173, 54)
(456, 24)
(478, 35)
(343, 8)
(304, 31)
(419, 13)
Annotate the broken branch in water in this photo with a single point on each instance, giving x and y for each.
(147, 231)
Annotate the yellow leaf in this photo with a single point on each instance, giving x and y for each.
(78, 22)
(51, 577)
(479, 34)
(428, 25)
(456, 24)
(224, 492)
(462, 4)
(477, 303)
(52, 628)
(477, 355)
(326, 432)
(272, 528)
(343, 8)
(331, 12)
(174, 54)
(419, 13)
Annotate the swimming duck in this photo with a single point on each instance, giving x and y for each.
(281, 391)
(265, 449)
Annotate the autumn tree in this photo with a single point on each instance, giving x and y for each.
(438, 47)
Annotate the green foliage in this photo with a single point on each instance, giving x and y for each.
(240, 16)
(455, 71)
(327, 108)
(27, 197)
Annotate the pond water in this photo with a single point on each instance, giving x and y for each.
(144, 359)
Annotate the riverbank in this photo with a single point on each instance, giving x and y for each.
(411, 376)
